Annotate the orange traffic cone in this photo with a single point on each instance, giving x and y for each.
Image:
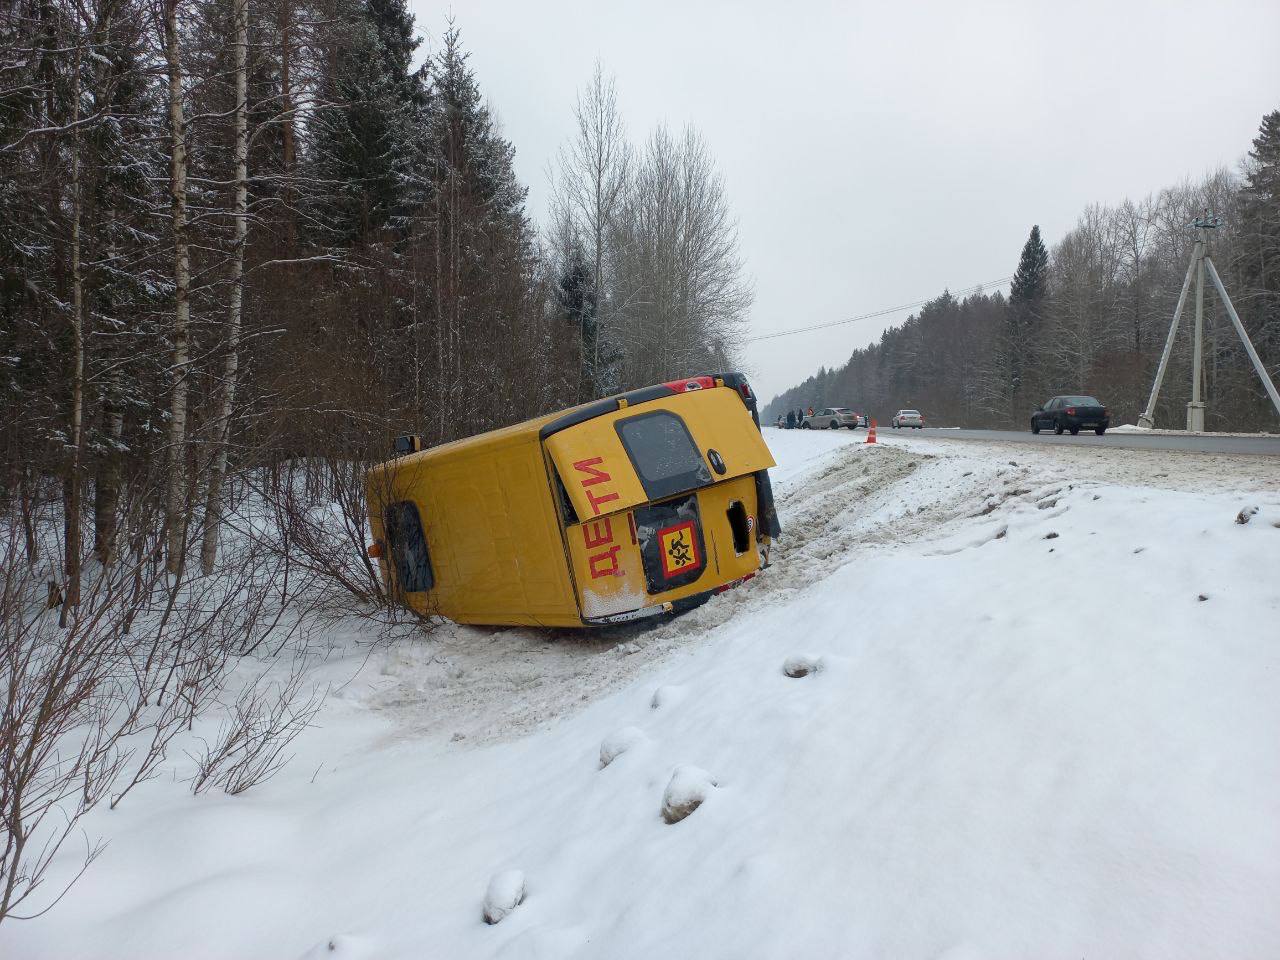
(871, 432)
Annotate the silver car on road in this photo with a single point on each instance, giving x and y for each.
(908, 418)
(830, 418)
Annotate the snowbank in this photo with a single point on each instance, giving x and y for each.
(1134, 428)
(986, 766)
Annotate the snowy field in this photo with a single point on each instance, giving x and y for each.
(1039, 718)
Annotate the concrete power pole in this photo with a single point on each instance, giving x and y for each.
(1195, 409)
(1201, 263)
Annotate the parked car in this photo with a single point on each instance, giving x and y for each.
(908, 418)
(830, 418)
(1071, 413)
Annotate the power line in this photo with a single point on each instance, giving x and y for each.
(973, 288)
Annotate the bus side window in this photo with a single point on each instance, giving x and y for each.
(566, 505)
(408, 547)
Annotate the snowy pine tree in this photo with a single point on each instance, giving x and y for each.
(1027, 295)
(479, 253)
(367, 148)
(125, 285)
(1031, 280)
(576, 299)
(1257, 260)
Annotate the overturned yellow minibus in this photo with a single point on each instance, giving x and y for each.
(627, 507)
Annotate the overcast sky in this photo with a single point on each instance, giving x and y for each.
(876, 153)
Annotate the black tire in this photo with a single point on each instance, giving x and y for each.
(1074, 430)
(804, 426)
(1035, 426)
(1099, 430)
(1057, 427)
(835, 425)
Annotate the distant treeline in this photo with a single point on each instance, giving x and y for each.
(1090, 315)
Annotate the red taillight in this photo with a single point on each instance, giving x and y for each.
(1071, 411)
(693, 383)
(744, 388)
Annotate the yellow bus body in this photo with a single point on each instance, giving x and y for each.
(610, 511)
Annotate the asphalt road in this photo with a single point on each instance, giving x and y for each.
(1265, 446)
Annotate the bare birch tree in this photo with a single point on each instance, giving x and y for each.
(589, 189)
(680, 281)
(176, 497)
(231, 363)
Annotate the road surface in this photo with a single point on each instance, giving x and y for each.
(1265, 446)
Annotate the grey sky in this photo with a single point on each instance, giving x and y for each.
(877, 153)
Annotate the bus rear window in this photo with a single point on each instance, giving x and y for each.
(408, 547)
(663, 454)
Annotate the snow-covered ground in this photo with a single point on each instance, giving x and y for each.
(1038, 717)
(1135, 428)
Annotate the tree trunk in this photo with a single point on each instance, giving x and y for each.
(72, 485)
(441, 403)
(231, 369)
(289, 146)
(28, 486)
(176, 507)
(106, 492)
(106, 486)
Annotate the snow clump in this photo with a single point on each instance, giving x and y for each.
(505, 893)
(688, 788)
(801, 666)
(619, 742)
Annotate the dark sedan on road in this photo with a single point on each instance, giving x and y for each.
(1071, 414)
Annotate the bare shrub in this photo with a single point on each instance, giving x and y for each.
(316, 523)
(88, 711)
(71, 699)
(319, 524)
(264, 721)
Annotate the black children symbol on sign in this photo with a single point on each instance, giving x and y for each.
(680, 552)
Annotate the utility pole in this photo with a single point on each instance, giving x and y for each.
(1201, 263)
(1195, 409)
